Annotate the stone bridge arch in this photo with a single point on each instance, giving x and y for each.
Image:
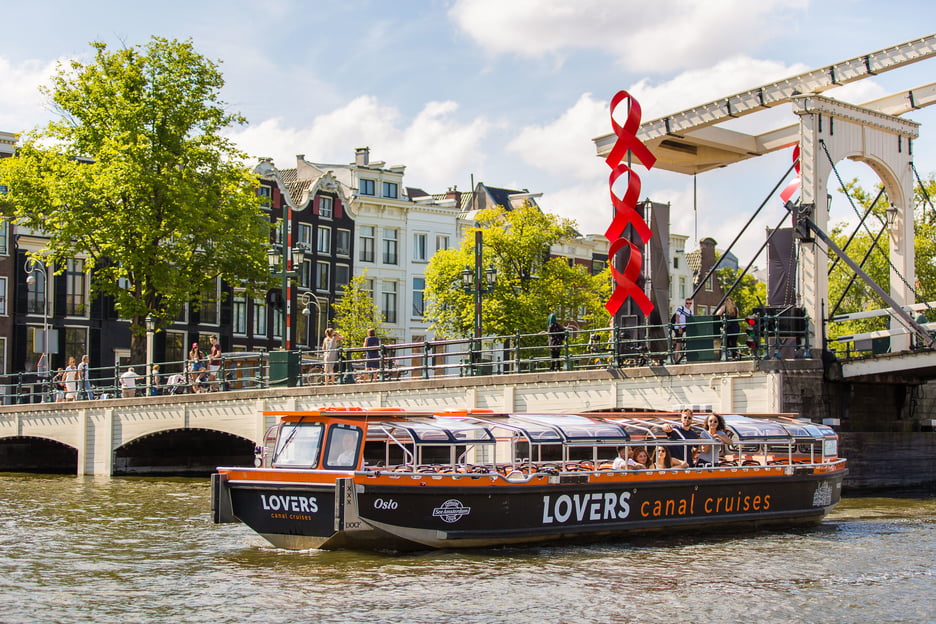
(830, 132)
(192, 451)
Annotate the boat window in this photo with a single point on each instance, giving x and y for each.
(343, 444)
(298, 445)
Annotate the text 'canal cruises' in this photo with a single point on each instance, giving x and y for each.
(392, 480)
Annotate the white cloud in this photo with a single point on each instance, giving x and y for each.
(666, 35)
(434, 146)
(21, 105)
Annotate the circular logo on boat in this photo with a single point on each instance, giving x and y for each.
(451, 511)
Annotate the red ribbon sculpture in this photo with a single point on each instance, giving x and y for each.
(625, 212)
(794, 184)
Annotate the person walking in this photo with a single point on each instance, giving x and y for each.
(84, 379)
(372, 355)
(556, 339)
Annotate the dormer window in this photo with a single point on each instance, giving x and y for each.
(367, 187)
(390, 190)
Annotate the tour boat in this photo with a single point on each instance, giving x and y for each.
(392, 480)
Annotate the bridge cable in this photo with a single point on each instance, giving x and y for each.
(735, 241)
(835, 259)
(916, 295)
(922, 187)
(854, 275)
(754, 258)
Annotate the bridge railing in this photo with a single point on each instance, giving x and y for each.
(869, 333)
(706, 339)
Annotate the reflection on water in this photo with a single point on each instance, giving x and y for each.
(144, 550)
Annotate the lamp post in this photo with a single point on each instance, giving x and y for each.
(283, 261)
(150, 328)
(32, 267)
(305, 300)
(478, 282)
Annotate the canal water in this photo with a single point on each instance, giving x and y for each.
(124, 550)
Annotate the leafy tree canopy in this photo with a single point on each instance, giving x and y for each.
(356, 312)
(136, 178)
(530, 285)
(847, 292)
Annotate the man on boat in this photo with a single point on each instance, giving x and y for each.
(683, 431)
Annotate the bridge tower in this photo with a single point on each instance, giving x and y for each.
(831, 131)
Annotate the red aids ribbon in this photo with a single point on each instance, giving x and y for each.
(626, 282)
(625, 213)
(794, 184)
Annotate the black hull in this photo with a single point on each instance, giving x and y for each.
(398, 517)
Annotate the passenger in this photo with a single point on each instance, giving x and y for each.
(666, 460)
(622, 460)
(348, 450)
(715, 429)
(640, 460)
(683, 431)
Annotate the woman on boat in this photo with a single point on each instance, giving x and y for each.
(639, 460)
(665, 460)
(715, 429)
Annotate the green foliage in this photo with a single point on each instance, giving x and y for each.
(136, 178)
(529, 284)
(748, 294)
(356, 312)
(847, 292)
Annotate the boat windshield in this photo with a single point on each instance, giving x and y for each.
(298, 445)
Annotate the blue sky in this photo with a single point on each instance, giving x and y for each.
(509, 91)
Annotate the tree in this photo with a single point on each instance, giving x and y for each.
(529, 283)
(356, 312)
(750, 293)
(847, 292)
(136, 179)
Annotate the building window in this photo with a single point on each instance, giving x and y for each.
(675, 262)
(36, 294)
(390, 189)
(265, 193)
(3, 296)
(277, 325)
(305, 274)
(389, 246)
(324, 240)
(322, 275)
(239, 321)
(367, 187)
(419, 297)
(75, 285)
(442, 241)
(259, 318)
(366, 244)
(208, 304)
(420, 244)
(597, 266)
(388, 302)
(176, 351)
(182, 316)
(682, 288)
(342, 276)
(326, 207)
(76, 342)
(3, 356)
(305, 236)
(343, 243)
(302, 328)
(710, 283)
(368, 287)
(4, 237)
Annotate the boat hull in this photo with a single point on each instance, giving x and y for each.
(420, 512)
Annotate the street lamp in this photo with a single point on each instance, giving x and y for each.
(150, 328)
(478, 282)
(305, 300)
(32, 267)
(283, 261)
(891, 215)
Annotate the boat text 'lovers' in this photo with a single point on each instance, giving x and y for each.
(593, 507)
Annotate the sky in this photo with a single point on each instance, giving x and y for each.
(506, 92)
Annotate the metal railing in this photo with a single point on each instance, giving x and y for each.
(705, 340)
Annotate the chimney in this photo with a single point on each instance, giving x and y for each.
(454, 193)
(362, 156)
